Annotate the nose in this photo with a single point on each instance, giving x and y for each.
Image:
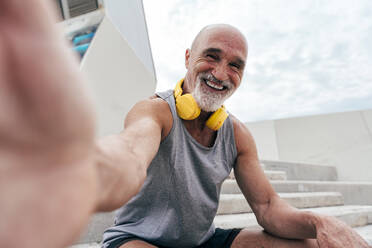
(220, 72)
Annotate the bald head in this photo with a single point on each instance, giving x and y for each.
(216, 59)
(219, 29)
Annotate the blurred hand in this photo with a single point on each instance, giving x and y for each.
(47, 179)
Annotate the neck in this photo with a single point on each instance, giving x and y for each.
(203, 117)
(200, 131)
(198, 123)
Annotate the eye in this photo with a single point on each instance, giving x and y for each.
(212, 56)
(235, 65)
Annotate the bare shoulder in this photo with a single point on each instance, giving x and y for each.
(243, 137)
(154, 109)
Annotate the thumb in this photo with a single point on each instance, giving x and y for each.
(318, 242)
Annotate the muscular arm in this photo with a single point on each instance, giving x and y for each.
(273, 213)
(122, 160)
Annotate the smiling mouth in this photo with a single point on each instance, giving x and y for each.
(214, 85)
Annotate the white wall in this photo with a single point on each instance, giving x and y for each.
(368, 119)
(129, 18)
(117, 73)
(343, 140)
(264, 134)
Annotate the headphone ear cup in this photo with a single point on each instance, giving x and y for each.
(217, 119)
(187, 108)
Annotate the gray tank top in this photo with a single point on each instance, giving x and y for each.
(178, 201)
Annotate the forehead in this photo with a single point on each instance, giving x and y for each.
(230, 42)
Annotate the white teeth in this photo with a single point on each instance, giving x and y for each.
(214, 86)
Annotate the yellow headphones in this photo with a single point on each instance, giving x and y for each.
(188, 109)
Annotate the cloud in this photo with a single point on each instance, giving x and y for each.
(305, 57)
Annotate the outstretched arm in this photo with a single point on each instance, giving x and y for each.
(274, 214)
(122, 160)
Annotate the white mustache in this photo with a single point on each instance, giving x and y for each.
(210, 77)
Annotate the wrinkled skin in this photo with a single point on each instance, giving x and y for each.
(47, 179)
(334, 233)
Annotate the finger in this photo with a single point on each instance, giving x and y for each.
(318, 243)
(35, 15)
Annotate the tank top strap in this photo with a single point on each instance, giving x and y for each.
(168, 96)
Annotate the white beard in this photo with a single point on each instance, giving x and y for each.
(208, 101)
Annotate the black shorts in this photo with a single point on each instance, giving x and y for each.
(222, 238)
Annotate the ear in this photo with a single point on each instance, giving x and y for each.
(187, 58)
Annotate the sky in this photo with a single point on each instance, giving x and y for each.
(305, 57)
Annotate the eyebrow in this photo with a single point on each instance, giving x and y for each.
(212, 50)
(238, 60)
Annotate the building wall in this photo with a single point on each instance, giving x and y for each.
(118, 74)
(265, 138)
(129, 19)
(343, 140)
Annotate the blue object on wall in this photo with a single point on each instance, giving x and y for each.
(81, 49)
(80, 39)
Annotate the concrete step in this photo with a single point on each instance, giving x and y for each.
(236, 203)
(87, 245)
(355, 216)
(270, 174)
(302, 171)
(275, 175)
(229, 204)
(97, 225)
(353, 192)
(365, 232)
(352, 215)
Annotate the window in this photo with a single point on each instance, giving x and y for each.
(73, 8)
(79, 7)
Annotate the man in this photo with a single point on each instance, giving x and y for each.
(53, 175)
(177, 204)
